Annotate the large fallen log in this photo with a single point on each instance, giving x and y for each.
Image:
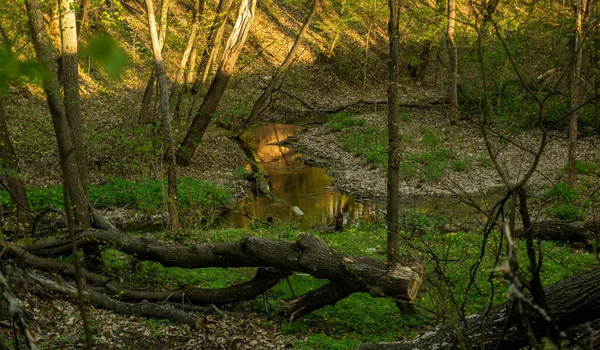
(347, 273)
(581, 234)
(571, 302)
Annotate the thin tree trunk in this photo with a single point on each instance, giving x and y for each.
(453, 64)
(338, 30)
(211, 51)
(393, 142)
(367, 42)
(234, 46)
(84, 18)
(575, 94)
(10, 172)
(178, 88)
(166, 120)
(71, 175)
(146, 111)
(259, 105)
(70, 79)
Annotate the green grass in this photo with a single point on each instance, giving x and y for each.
(448, 258)
(342, 120)
(146, 195)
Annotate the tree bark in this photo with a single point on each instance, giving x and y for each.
(70, 79)
(11, 173)
(146, 110)
(572, 301)
(144, 308)
(234, 46)
(392, 124)
(210, 52)
(169, 144)
(576, 86)
(259, 105)
(453, 64)
(309, 255)
(581, 234)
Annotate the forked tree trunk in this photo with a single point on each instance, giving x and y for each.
(453, 64)
(234, 46)
(10, 173)
(178, 89)
(210, 52)
(392, 124)
(576, 86)
(259, 105)
(166, 120)
(73, 184)
(146, 110)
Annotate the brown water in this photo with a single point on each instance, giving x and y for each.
(294, 184)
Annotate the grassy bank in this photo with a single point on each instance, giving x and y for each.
(448, 258)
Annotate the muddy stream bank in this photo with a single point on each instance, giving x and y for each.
(300, 188)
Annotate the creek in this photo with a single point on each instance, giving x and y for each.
(293, 183)
(296, 184)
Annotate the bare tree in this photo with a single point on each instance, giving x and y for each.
(234, 46)
(11, 174)
(146, 112)
(453, 64)
(276, 79)
(576, 87)
(163, 87)
(393, 139)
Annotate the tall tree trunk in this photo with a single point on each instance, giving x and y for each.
(453, 64)
(234, 46)
(10, 173)
(210, 53)
(576, 85)
(70, 80)
(71, 176)
(84, 16)
(393, 142)
(259, 105)
(146, 111)
(163, 87)
(367, 42)
(338, 30)
(177, 91)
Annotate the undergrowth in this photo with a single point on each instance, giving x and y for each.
(145, 195)
(448, 258)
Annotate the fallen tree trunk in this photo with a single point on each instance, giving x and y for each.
(583, 234)
(571, 302)
(144, 308)
(346, 273)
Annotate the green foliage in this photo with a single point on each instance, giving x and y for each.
(14, 71)
(147, 195)
(568, 204)
(341, 120)
(584, 168)
(103, 50)
(370, 143)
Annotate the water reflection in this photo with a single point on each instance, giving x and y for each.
(294, 184)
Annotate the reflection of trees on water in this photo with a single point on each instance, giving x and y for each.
(295, 184)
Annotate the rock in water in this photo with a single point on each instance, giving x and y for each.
(297, 211)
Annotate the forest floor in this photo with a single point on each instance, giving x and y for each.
(58, 321)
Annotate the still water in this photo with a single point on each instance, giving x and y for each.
(294, 184)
